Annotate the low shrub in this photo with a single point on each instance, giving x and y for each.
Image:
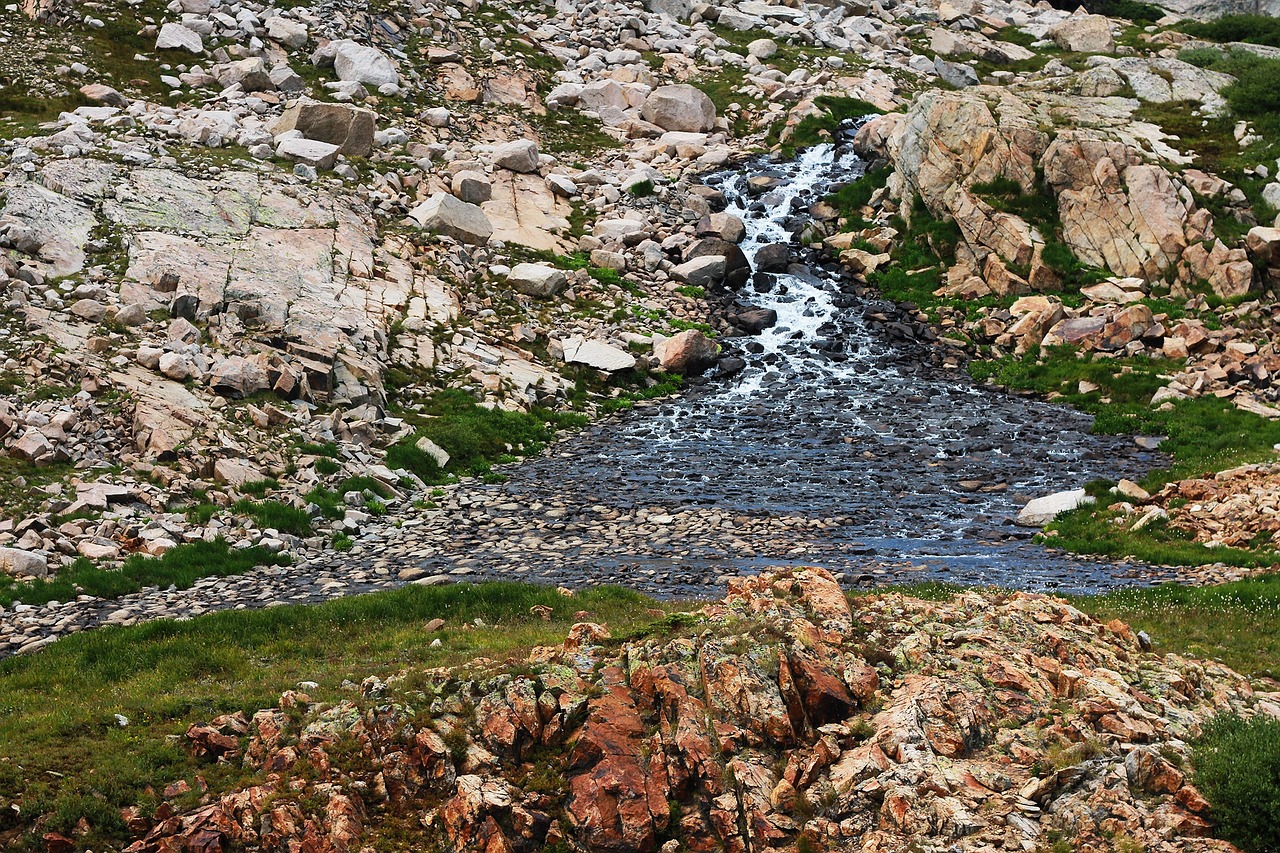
(1254, 29)
(1237, 769)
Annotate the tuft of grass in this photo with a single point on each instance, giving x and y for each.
(63, 755)
(275, 515)
(475, 437)
(180, 567)
(641, 189)
(815, 129)
(1237, 769)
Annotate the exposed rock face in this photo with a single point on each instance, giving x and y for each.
(1121, 208)
(680, 107)
(915, 725)
(1117, 212)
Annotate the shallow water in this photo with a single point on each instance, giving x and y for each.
(830, 420)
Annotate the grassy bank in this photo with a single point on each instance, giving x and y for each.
(64, 753)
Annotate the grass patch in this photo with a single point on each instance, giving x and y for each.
(816, 129)
(1237, 768)
(475, 437)
(59, 705)
(1253, 29)
(1203, 435)
(180, 567)
(275, 515)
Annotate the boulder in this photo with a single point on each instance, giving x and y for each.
(518, 156)
(680, 107)
(1084, 34)
(177, 37)
(1041, 511)
(774, 257)
(689, 351)
(348, 127)
(706, 271)
(597, 354)
(435, 451)
(452, 217)
(104, 94)
(359, 63)
(472, 187)
(310, 152)
(249, 74)
(537, 280)
(235, 472)
(237, 377)
(1263, 243)
(14, 561)
(287, 31)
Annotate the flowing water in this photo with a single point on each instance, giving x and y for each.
(835, 446)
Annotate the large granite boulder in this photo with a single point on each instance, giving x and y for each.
(360, 63)
(350, 128)
(680, 107)
(444, 214)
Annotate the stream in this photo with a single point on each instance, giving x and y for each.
(835, 446)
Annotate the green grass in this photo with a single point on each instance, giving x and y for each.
(1237, 769)
(474, 436)
(814, 130)
(1203, 435)
(21, 485)
(180, 567)
(62, 754)
(1254, 29)
(275, 515)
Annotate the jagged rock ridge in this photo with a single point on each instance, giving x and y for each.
(782, 718)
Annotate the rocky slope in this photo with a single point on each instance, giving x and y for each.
(783, 718)
(235, 234)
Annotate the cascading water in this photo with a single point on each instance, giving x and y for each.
(855, 454)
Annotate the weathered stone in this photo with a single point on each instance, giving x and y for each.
(518, 156)
(177, 37)
(597, 354)
(689, 351)
(312, 152)
(444, 214)
(680, 107)
(1084, 34)
(14, 561)
(350, 128)
(1041, 511)
(537, 279)
(359, 63)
